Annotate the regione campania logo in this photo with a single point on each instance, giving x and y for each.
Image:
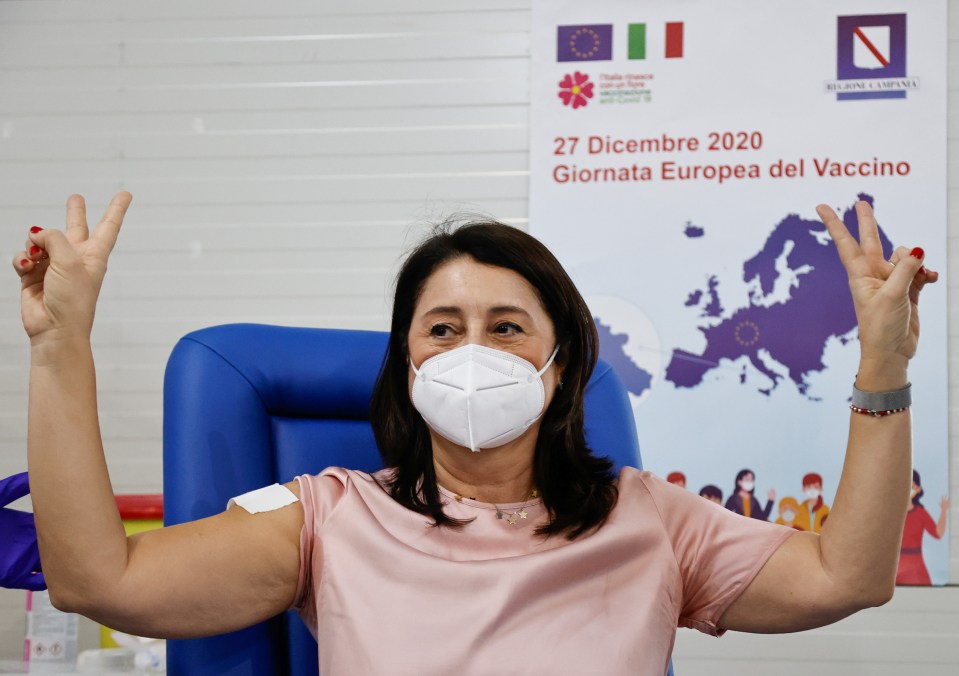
(871, 58)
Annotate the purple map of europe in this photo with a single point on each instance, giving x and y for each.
(790, 329)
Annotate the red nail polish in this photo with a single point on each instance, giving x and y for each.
(922, 269)
(35, 229)
(24, 262)
(917, 253)
(34, 250)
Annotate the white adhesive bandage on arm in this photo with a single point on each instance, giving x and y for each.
(264, 499)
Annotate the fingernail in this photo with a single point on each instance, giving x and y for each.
(24, 261)
(922, 269)
(35, 229)
(917, 253)
(34, 250)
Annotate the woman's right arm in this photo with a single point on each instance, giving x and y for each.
(205, 577)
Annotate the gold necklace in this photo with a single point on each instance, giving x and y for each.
(510, 517)
(520, 513)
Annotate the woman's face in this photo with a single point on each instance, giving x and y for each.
(465, 302)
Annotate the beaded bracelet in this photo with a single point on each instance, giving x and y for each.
(874, 413)
(879, 404)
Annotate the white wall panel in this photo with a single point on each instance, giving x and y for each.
(915, 633)
(18, 217)
(24, 81)
(22, 53)
(232, 29)
(279, 96)
(345, 48)
(28, 11)
(283, 155)
(470, 185)
(336, 166)
(383, 119)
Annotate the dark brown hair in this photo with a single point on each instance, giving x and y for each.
(578, 488)
(918, 496)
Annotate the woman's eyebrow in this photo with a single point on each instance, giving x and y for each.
(507, 309)
(443, 310)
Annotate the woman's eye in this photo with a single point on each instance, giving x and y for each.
(440, 331)
(508, 328)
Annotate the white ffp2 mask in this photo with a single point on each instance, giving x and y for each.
(479, 397)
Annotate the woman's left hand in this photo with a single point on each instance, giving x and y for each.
(885, 293)
(813, 580)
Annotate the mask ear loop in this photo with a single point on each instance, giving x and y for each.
(549, 362)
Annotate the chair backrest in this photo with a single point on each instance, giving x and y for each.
(246, 405)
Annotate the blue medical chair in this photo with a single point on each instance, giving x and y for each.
(246, 405)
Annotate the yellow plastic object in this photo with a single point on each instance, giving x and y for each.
(140, 513)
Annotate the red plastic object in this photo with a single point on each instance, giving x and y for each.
(134, 507)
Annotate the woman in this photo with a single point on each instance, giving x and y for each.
(788, 513)
(742, 501)
(495, 543)
(912, 569)
(814, 509)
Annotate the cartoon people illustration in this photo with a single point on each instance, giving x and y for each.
(742, 500)
(713, 493)
(813, 510)
(789, 513)
(912, 569)
(677, 478)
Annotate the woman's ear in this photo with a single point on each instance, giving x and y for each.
(560, 363)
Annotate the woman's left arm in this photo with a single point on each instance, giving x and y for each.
(813, 580)
(943, 515)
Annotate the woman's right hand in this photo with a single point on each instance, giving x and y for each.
(61, 274)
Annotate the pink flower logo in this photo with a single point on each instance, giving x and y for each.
(576, 90)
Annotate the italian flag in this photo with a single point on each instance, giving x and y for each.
(674, 40)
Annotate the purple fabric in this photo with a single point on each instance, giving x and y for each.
(19, 556)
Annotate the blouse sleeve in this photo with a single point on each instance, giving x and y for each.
(319, 495)
(718, 551)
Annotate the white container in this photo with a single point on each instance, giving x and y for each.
(51, 643)
(106, 661)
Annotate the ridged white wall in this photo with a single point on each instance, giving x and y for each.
(282, 156)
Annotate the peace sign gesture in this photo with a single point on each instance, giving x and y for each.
(885, 293)
(61, 273)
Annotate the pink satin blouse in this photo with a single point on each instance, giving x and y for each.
(384, 592)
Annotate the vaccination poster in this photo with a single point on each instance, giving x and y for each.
(678, 151)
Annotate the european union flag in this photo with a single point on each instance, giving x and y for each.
(584, 43)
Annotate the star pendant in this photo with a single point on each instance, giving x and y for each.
(511, 518)
(522, 513)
